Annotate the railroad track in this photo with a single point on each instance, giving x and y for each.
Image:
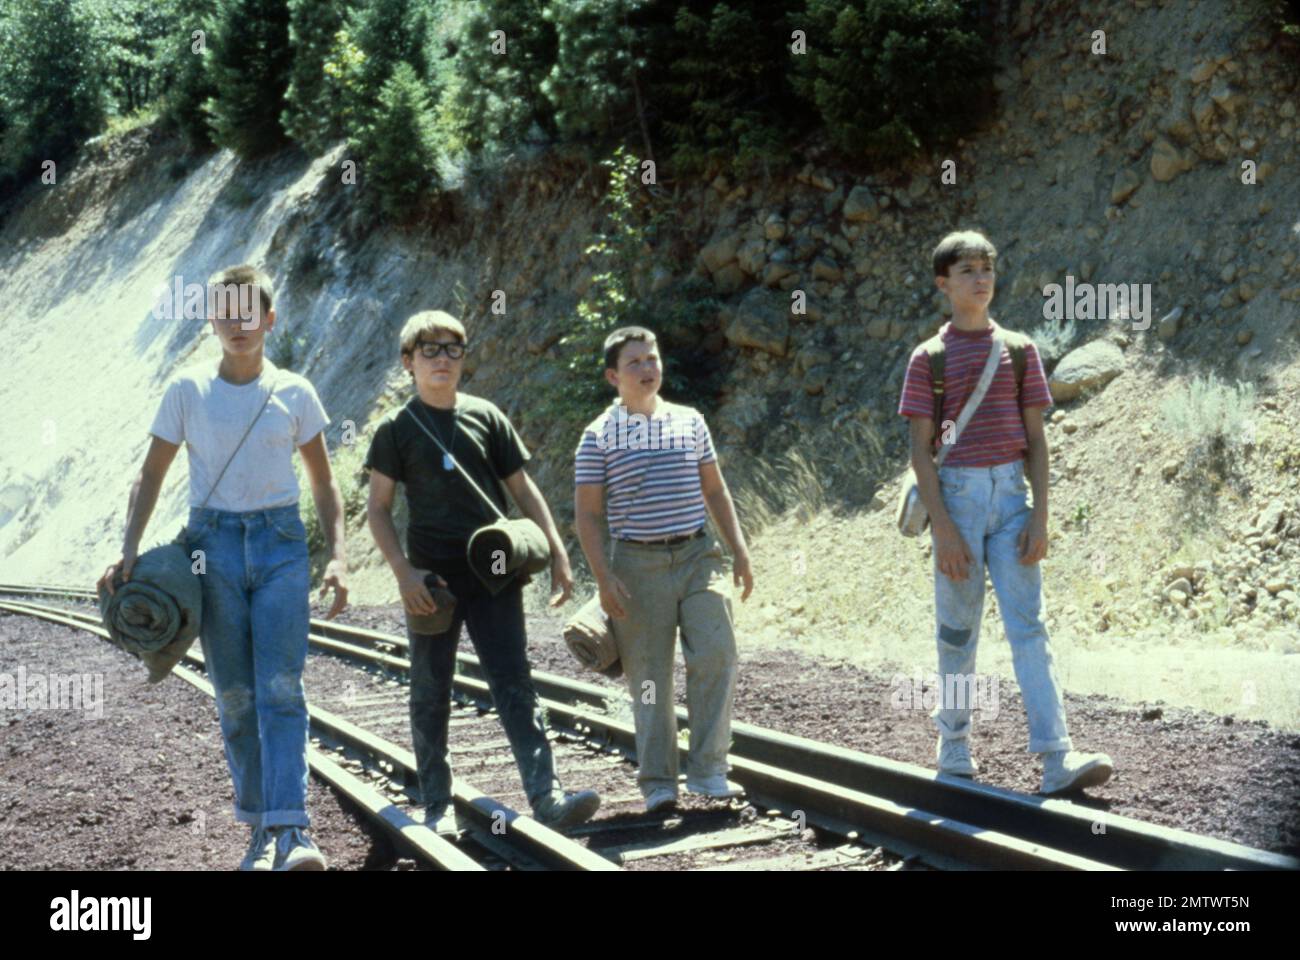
(814, 805)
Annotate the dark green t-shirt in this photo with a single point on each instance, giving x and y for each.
(445, 510)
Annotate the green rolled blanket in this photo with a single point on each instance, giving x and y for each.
(503, 550)
(157, 613)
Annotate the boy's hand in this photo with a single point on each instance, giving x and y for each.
(336, 576)
(1033, 539)
(416, 597)
(612, 593)
(951, 552)
(561, 581)
(126, 564)
(741, 573)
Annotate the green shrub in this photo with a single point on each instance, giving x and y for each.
(1214, 417)
(891, 76)
(190, 82)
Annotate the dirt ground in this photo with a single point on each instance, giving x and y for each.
(136, 779)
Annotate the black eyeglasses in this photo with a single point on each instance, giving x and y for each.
(430, 349)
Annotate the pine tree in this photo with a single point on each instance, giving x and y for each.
(187, 75)
(593, 85)
(250, 69)
(398, 147)
(494, 98)
(308, 116)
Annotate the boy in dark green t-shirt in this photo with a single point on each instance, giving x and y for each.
(444, 511)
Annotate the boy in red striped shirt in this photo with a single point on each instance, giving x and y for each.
(981, 516)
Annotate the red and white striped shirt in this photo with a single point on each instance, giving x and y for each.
(996, 433)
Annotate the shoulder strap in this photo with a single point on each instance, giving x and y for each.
(247, 431)
(1016, 343)
(981, 388)
(410, 409)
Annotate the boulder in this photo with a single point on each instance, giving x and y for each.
(1090, 367)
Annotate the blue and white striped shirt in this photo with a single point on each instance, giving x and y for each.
(650, 468)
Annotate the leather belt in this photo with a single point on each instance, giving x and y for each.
(669, 541)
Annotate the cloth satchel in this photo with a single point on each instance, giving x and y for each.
(913, 518)
(504, 549)
(158, 613)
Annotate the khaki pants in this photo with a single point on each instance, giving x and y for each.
(677, 586)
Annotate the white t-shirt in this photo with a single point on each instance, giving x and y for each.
(210, 415)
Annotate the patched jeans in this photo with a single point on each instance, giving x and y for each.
(496, 628)
(990, 507)
(256, 612)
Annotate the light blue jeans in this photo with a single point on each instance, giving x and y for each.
(990, 507)
(256, 612)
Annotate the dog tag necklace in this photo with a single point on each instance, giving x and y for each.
(447, 448)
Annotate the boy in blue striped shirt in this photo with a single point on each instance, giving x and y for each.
(646, 468)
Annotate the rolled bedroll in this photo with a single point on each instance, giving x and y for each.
(158, 612)
(591, 641)
(502, 550)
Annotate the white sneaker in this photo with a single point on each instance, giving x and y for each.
(716, 786)
(954, 758)
(261, 851)
(662, 798)
(294, 850)
(1063, 771)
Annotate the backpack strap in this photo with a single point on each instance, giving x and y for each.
(1016, 343)
(934, 349)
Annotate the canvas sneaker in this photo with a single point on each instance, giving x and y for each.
(660, 799)
(261, 851)
(954, 758)
(294, 850)
(561, 810)
(716, 786)
(442, 821)
(1067, 770)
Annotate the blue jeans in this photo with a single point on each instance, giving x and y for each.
(990, 507)
(256, 611)
(496, 628)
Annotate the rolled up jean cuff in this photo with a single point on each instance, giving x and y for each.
(247, 816)
(1047, 746)
(285, 818)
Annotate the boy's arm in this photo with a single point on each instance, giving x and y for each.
(533, 506)
(589, 518)
(379, 516)
(951, 553)
(140, 506)
(329, 507)
(1033, 538)
(717, 499)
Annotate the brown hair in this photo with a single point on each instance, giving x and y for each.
(615, 342)
(959, 244)
(244, 274)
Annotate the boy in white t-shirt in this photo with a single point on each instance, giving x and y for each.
(244, 518)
